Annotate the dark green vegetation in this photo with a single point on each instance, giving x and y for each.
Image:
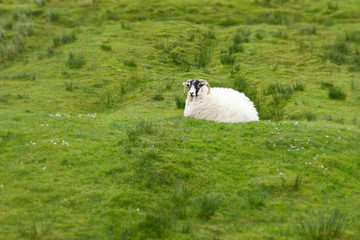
(94, 145)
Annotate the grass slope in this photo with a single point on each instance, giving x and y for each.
(92, 145)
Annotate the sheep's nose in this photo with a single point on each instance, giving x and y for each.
(191, 94)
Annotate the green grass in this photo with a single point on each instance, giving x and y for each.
(75, 61)
(337, 93)
(323, 227)
(89, 149)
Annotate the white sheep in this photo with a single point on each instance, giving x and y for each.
(219, 104)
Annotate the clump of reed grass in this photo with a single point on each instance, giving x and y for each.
(105, 47)
(337, 93)
(158, 97)
(337, 52)
(310, 30)
(227, 58)
(75, 62)
(130, 63)
(202, 58)
(299, 87)
(53, 15)
(310, 116)
(179, 101)
(206, 206)
(65, 38)
(322, 226)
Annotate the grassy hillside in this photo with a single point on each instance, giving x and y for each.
(94, 145)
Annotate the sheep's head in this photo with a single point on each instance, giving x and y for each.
(195, 86)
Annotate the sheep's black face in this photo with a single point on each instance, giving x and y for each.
(194, 87)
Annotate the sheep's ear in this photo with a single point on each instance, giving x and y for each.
(185, 84)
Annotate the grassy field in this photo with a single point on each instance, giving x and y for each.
(94, 145)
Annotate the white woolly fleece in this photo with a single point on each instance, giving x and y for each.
(221, 105)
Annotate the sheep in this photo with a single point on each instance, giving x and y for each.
(219, 104)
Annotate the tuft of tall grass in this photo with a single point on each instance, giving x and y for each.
(332, 6)
(337, 93)
(352, 36)
(227, 58)
(130, 63)
(180, 198)
(235, 69)
(202, 58)
(53, 15)
(322, 227)
(336, 52)
(272, 112)
(7, 23)
(235, 48)
(40, 3)
(155, 225)
(240, 84)
(282, 34)
(158, 97)
(310, 116)
(255, 199)
(126, 26)
(308, 30)
(105, 47)
(65, 38)
(74, 61)
(279, 91)
(25, 28)
(109, 99)
(139, 128)
(299, 87)
(110, 15)
(11, 49)
(259, 35)
(326, 85)
(208, 35)
(69, 86)
(20, 76)
(242, 36)
(297, 183)
(338, 119)
(206, 206)
(179, 101)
